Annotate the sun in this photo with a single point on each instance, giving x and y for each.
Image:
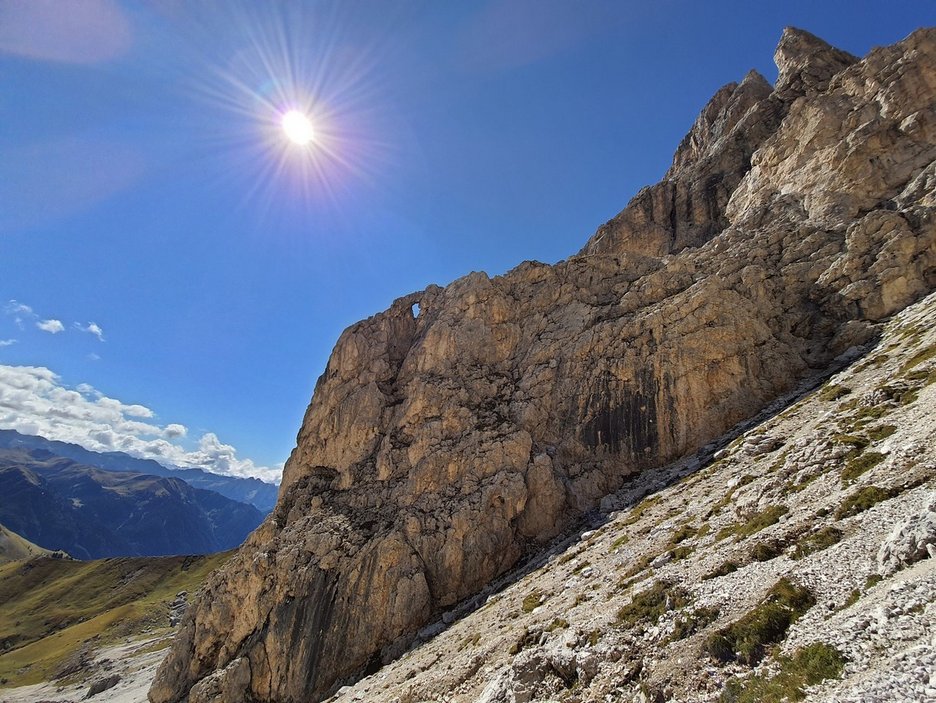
(298, 127)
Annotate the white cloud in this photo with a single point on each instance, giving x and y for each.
(7, 342)
(91, 328)
(174, 431)
(33, 400)
(15, 307)
(18, 311)
(51, 326)
(93, 357)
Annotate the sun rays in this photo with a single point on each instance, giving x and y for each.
(293, 111)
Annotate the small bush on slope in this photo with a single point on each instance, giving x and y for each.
(746, 639)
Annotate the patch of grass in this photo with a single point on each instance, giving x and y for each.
(928, 376)
(873, 363)
(650, 605)
(532, 601)
(808, 666)
(861, 500)
(743, 481)
(860, 464)
(779, 461)
(526, 639)
(794, 487)
(618, 542)
(639, 510)
(756, 523)
(908, 397)
(581, 567)
(854, 441)
(723, 569)
(557, 624)
(681, 552)
(867, 414)
(693, 622)
(747, 638)
(852, 599)
(49, 608)
(876, 434)
(593, 637)
(767, 550)
(832, 391)
(469, 641)
(924, 354)
(817, 541)
(682, 534)
(872, 581)
(639, 566)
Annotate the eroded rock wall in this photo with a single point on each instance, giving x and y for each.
(440, 448)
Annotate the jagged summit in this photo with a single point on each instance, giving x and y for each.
(439, 450)
(806, 63)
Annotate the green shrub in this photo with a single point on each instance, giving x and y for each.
(921, 356)
(861, 500)
(723, 569)
(808, 666)
(765, 551)
(743, 481)
(747, 638)
(650, 605)
(755, 523)
(855, 441)
(682, 534)
(817, 541)
(880, 432)
(681, 552)
(639, 510)
(832, 391)
(859, 465)
(557, 624)
(687, 625)
(852, 599)
(532, 601)
(928, 376)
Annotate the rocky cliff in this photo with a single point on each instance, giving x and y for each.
(440, 449)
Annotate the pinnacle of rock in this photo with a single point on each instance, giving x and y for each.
(806, 63)
(439, 450)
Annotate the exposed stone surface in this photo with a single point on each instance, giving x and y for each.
(912, 540)
(678, 525)
(440, 449)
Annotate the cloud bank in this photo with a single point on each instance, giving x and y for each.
(34, 401)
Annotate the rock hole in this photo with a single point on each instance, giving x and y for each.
(416, 309)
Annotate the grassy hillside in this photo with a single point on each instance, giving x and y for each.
(50, 609)
(13, 547)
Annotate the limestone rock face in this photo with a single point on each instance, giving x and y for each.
(441, 448)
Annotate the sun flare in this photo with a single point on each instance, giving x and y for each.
(298, 127)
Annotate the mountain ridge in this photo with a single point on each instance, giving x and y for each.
(244, 490)
(92, 513)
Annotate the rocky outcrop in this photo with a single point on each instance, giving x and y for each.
(440, 448)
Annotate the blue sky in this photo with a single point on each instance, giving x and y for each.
(201, 267)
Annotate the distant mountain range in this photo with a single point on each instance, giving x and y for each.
(90, 513)
(258, 493)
